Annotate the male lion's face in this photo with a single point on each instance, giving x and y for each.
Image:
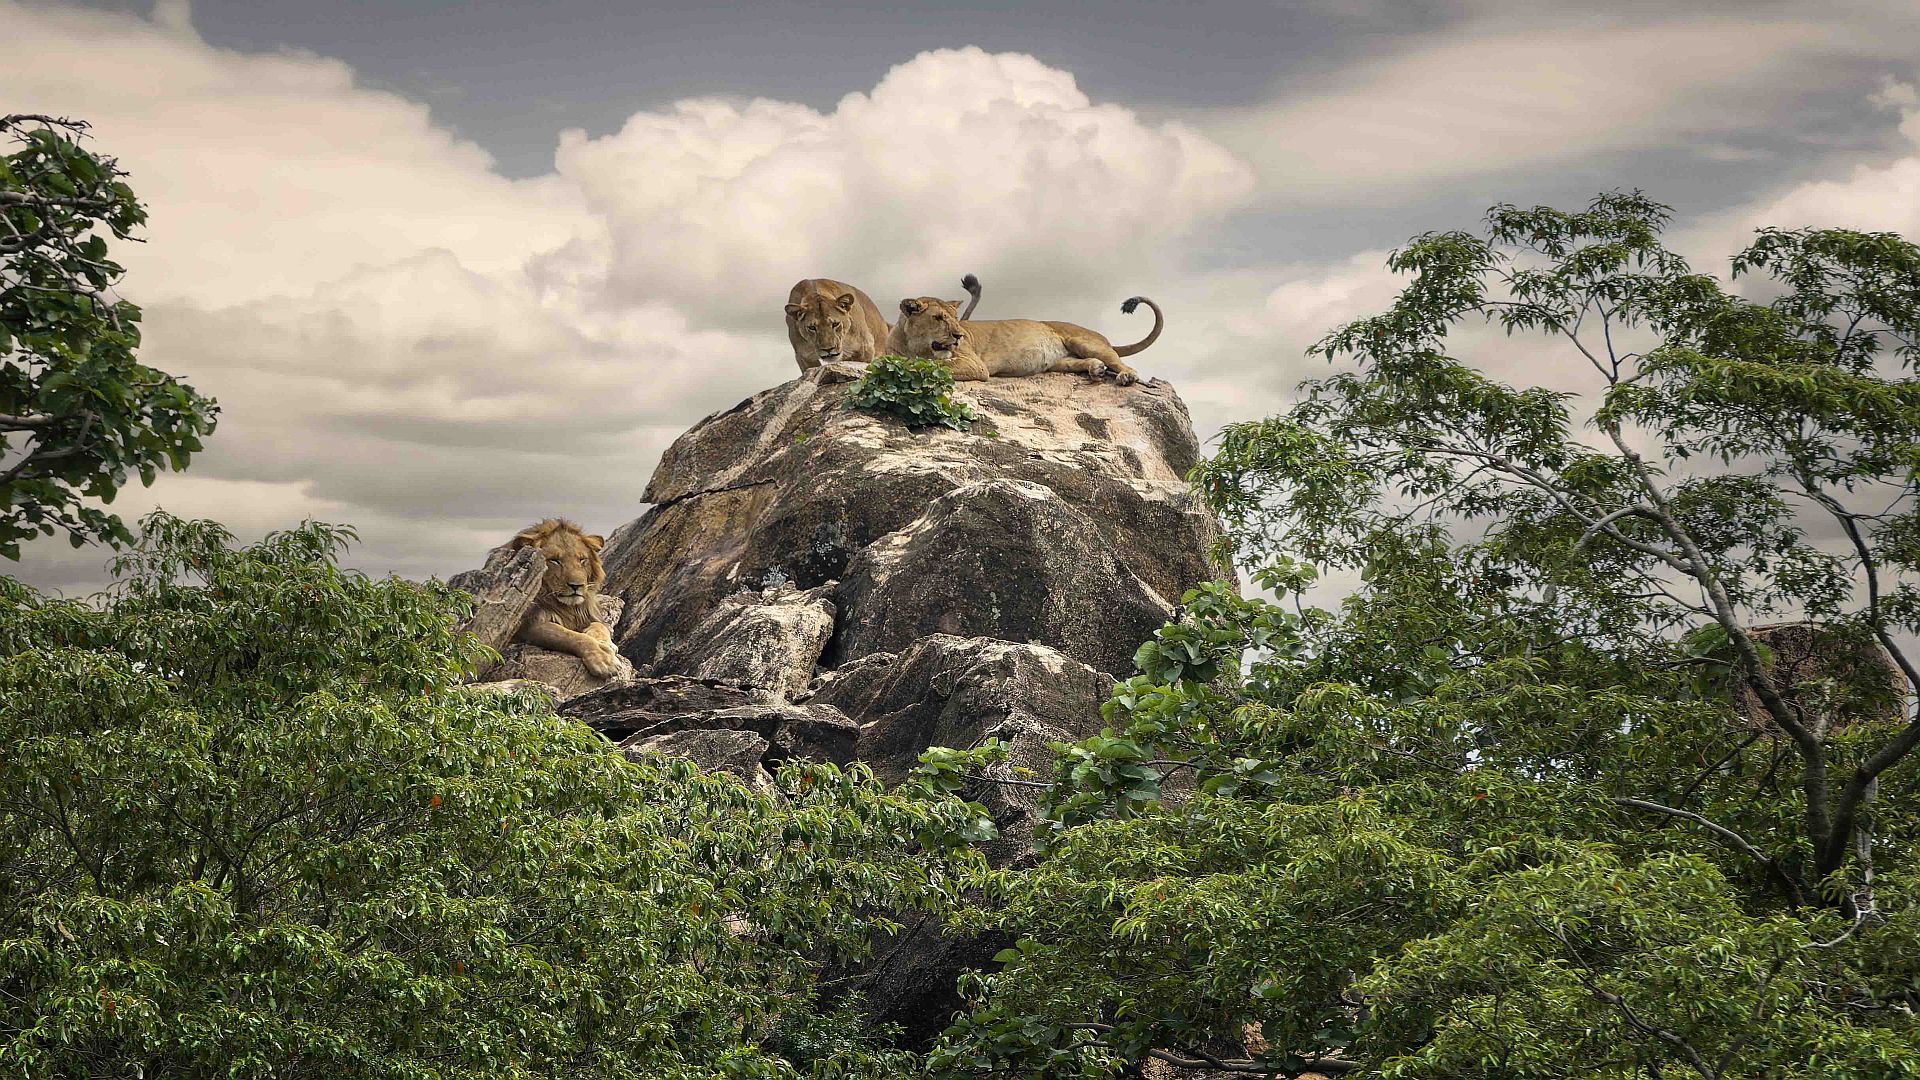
(825, 326)
(931, 326)
(573, 572)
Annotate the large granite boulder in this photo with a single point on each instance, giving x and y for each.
(952, 691)
(790, 488)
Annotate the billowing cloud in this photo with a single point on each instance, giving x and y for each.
(1877, 196)
(959, 160)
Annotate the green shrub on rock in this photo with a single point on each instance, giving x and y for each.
(918, 392)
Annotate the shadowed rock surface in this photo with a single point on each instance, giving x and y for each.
(815, 582)
(769, 640)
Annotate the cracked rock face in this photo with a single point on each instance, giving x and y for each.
(769, 640)
(1006, 559)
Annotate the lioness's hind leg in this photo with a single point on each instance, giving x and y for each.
(1098, 350)
(1092, 367)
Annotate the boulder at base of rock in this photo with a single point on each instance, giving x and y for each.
(623, 709)
(949, 691)
(717, 749)
(959, 692)
(768, 640)
(1003, 559)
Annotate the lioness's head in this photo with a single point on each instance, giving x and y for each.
(825, 325)
(930, 326)
(574, 572)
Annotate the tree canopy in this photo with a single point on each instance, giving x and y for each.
(79, 414)
(1544, 797)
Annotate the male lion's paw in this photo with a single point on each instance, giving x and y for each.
(604, 663)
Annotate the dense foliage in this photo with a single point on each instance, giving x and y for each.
(79, 414)
(1538, 800)
(918, 392)
(251, 826)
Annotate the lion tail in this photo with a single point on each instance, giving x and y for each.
(972, 285)
(1159, 322)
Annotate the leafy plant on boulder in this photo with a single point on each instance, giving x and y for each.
(917, 392)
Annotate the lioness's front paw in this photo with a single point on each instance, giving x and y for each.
(1126, 378)
(1095, 369)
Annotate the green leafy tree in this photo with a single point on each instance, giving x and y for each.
(1539, 799)
(252, 826)
(79, 414)
(918, 392)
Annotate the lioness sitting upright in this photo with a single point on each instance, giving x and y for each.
(565, 617)
(829, 321)
(934, 328)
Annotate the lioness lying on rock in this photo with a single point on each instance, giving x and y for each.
(564, 617)
(935, 328)
(830, 321)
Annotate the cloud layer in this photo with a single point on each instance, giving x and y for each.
(404, 340)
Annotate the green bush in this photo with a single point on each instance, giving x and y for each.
(918, 392)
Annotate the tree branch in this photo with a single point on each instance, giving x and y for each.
(1727, 836)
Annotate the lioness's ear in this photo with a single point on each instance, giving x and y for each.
(954, 304)
(910, 306)
(845, 301)
(595, 542)
(794, 311)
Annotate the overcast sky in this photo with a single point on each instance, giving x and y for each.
(453, 266)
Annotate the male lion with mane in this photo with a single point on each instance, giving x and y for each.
(830, 321)
(565, 617)
(936, 329)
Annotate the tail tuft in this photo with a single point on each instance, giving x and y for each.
(970, 283)
(1129, 304)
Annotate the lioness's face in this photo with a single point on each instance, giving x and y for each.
(931, 327)
(825, 326)
(573, 565)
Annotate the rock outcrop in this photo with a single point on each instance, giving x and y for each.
(816, 582)
(1063, 519)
